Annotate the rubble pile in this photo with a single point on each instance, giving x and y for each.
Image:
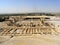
(24, 25)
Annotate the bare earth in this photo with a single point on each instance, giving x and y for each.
(33, 40)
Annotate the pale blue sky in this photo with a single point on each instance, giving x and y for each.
(22, 6)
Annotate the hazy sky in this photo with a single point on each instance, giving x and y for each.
(22, 6)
